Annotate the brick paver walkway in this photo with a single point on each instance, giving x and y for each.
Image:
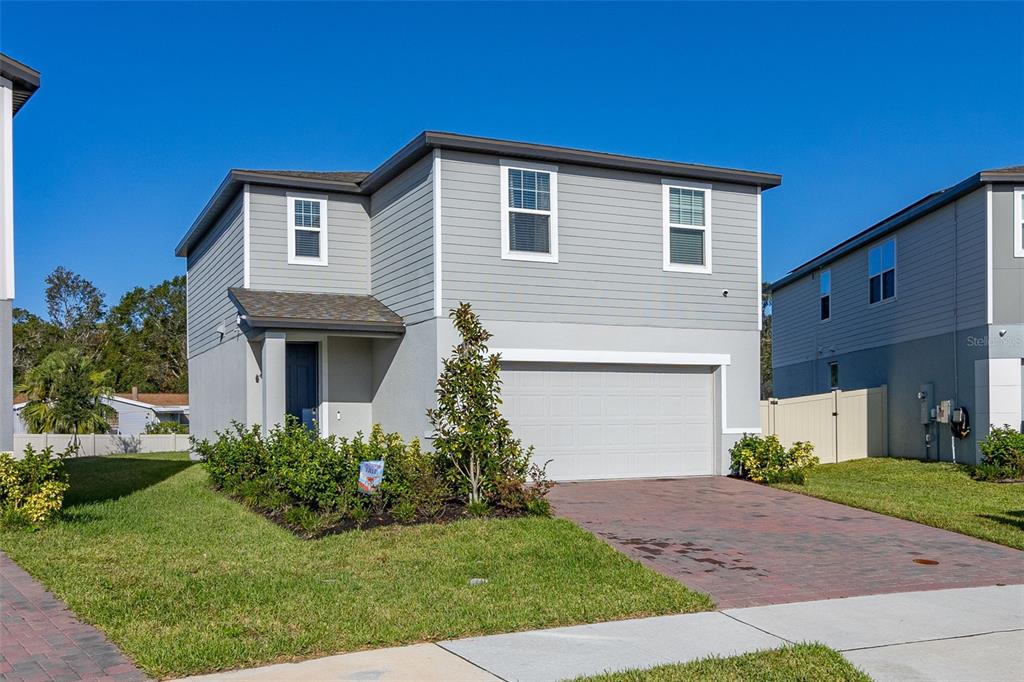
(750, 545)
(41, 640)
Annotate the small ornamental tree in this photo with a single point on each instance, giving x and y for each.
(473, 440)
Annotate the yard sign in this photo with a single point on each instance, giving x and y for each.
(370, 474)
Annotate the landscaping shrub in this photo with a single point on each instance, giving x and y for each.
(763, 459)
(310, 483)
(477, 451)
(31, 488)
(1003, 453)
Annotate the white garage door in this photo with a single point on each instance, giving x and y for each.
(613, 421)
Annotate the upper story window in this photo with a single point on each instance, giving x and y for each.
(882, 272)
(307, 229)
(529, 212)
(825, 293)
(686, 223)
(1018, 222)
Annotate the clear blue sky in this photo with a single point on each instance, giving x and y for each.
(862, 108)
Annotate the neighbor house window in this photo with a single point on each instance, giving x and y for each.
(825, 293)
(882, 272)
(833, 375)
(686, 226)
(307, 229)
(529, 212)
(1018, 222)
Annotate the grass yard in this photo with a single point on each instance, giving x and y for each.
(933, 493)
(806, 662)
(185, 580)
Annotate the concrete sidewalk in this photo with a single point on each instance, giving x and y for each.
(972, 634)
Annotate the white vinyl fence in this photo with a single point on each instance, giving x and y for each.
(102, 444)
(842, 425)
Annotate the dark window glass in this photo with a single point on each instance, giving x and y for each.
(826, 307)
(875, 289)
(888, 284)
(528, 232)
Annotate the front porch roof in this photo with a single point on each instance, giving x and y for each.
(329, 312)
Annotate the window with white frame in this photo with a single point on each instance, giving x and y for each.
(529, 212)
(307, 229)
(825, 294)
(1018, 222)
(833, 375)
(686, 218)
(882, 272)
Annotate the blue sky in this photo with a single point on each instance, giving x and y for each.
(862, 108)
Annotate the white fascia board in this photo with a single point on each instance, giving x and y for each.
(611, 357)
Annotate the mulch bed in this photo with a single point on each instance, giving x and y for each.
(449, 512)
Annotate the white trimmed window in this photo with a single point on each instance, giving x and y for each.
(307, 229)
(825, 294)
(882, 272)
(686, 222)
(529, 212)
(1018, 222)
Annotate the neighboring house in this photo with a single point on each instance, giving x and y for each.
(134, 411)
(622, 293)
(930, 302)
(17, 83)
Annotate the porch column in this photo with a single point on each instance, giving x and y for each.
(273, 380)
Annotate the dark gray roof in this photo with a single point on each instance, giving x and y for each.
(347, 177)
(24, 78)
(914, 211)
(295, 309)
(425, 143)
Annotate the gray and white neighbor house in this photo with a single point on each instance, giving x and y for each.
(928, 302)
(17, 84)
(623, 294)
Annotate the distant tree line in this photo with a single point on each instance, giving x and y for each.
(138, 342)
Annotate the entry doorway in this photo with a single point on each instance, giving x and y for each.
(302, 395)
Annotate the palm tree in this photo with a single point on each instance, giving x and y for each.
(65, 395)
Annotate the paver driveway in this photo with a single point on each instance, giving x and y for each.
(41, 640)
(749, 545)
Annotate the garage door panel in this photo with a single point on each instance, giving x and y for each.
(601, 421)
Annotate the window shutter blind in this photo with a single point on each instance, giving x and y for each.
(528, 232)
(686, 246)
(686, 206)
(307, 243)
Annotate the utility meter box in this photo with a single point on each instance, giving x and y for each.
(943, 412)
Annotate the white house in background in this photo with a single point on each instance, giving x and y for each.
(134, 411)
(17, 83)
(623, 294)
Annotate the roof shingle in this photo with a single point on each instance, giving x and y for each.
(341, 312)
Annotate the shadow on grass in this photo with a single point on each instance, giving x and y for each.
(95, 479)
(1013, 518)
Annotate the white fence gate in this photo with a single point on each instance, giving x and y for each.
(91, 445)
(842, 425)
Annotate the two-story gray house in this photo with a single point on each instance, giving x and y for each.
(623, 295)
(930, 303)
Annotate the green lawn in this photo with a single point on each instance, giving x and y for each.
(185, 580)
(805, 662)
(933, 493)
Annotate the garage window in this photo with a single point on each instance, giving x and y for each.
(529, 212)
(686, 226)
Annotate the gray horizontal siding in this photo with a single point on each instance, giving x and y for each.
(402, 243)
(214, 265)
(926, 256)
(1007, 269)
(348, 235)
(610, 253)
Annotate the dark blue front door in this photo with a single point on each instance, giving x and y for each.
(301, 381)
